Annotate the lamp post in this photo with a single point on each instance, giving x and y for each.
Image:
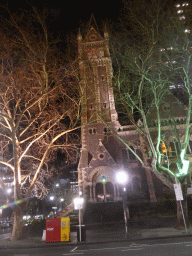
(78, 205)
(122, 178)
(103, 179)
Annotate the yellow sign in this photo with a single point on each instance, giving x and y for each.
(65, 229)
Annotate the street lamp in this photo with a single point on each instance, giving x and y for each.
(122, 179)
(78, 205)
(9, 190)
(51, 198)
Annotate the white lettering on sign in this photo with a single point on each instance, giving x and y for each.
(178, 192)
(50, 229)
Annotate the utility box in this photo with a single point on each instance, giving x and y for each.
(65, 229)
(58, 229)
(53, 230)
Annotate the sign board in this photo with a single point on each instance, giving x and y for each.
(189, 190)
(78, 203)
(178, 192)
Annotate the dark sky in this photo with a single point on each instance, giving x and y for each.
(68, 13)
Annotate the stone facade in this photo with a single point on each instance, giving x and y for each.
(102, 153)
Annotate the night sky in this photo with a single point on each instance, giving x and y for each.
(65, 15)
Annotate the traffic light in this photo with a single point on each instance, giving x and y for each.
(103, 179)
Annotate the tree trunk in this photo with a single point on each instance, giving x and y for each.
(18, 222)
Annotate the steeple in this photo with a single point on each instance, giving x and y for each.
(96, 76)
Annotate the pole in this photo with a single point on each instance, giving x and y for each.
(183, 216)
(80, 225)
(104, 192)
(125, 218)
(182, 209)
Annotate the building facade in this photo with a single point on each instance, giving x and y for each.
(103, 153)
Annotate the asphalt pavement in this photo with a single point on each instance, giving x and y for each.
(102, 233)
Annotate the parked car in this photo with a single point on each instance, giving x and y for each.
(4, 224)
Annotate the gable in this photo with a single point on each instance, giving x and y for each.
(101, 156)
(170, 106)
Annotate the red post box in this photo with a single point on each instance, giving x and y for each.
(53, 230)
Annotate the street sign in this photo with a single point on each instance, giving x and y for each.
(189, 190)
(178, 192)
(78, 203)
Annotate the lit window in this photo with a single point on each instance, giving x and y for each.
(177, 5)
(170, 48)
(187, 30)
(162, 50)
(180, 11)
(164, 148)
(185, 4)
(172, 87)
(173, 61)
(182, 17)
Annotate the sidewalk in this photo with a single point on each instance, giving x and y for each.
(97, 235)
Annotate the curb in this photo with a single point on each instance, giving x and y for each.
(56, 244)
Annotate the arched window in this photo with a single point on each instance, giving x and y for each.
(109, 191)
(136, 185)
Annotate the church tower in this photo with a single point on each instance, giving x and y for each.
(96, 78)
(103, 154)
(99, 115)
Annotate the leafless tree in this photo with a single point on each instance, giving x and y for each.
(152, 53)
(39, 107)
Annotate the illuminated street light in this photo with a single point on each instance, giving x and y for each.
(62, 199)
(121, 177)
(78, 205)
(51, 198)
(9, 190)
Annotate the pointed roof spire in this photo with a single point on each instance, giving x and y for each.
(79, 36)
(93, 23)
(93, 33)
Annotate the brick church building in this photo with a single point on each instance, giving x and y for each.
(103, 153)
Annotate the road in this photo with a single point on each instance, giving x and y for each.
(160, 247)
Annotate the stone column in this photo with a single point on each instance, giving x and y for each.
(90, 191)
(94, 195)
(115, 192)
(118, 196)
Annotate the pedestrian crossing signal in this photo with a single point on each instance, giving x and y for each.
(103, 179)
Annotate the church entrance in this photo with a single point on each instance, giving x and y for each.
(104, 192)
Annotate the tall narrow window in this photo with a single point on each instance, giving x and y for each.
(131, 155)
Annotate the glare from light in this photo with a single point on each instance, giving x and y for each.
(51, 198)
(57, 185)
(121, 177)
(9, 190)
(62, 199)
(187, 30)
